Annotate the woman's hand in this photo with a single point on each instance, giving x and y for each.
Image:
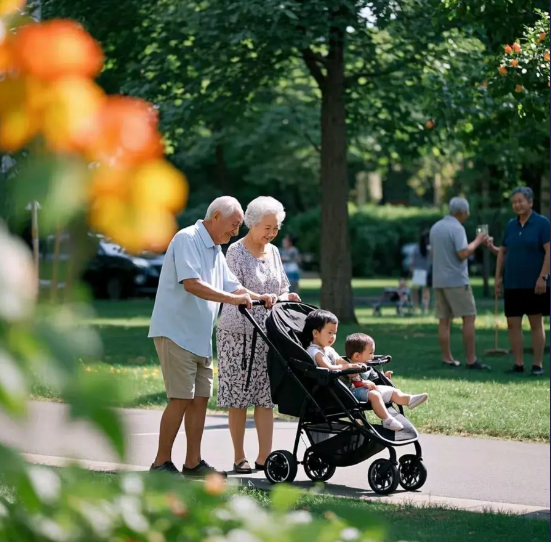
(294, 297)
(541, 286)
(497, 286)
(269, 299)
(370, 385)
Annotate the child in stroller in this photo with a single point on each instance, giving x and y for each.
(395, 297)
(321, 330)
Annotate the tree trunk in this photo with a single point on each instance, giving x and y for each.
(222, 179)
(485, 252)
(336, 261)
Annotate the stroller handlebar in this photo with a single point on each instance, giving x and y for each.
(255, 303)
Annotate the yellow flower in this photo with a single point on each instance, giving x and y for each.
(9, 6)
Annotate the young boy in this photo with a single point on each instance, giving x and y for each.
(360, 349)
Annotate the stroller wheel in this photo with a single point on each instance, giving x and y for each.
(383, 476)
(316, 468)
(413, 473)
(280, 466)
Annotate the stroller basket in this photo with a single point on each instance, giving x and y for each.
(341, 445)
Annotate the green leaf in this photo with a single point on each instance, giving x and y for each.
(285, 497)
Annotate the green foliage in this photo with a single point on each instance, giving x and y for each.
(79, 507)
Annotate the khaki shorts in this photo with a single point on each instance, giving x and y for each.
(454, 302)
(186, 375)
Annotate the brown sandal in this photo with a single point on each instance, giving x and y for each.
(242, 467)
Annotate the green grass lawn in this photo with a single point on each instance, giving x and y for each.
(461, 402)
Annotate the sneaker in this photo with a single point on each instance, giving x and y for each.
(393, 424)
(536, 371)
(516, 369)
(167, 466)
(478, 366)
(417, 400)
(201, 471)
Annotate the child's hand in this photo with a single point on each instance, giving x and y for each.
(358, 366)
(389, 374)
(370, 385)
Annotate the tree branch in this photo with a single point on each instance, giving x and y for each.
(396, 67)
(311, 60)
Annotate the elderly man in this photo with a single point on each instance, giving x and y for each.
(194, 280)
(453, 296)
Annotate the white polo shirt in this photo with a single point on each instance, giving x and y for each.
(178, 315)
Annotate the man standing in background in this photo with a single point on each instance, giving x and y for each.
(453, 295)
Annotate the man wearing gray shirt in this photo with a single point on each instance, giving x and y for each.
(453, 295)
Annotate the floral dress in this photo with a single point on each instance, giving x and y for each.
(242, 355)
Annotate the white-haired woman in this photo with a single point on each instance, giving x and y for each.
(242, 360)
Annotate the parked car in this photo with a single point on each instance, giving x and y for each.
(114, 274)
(111, 272)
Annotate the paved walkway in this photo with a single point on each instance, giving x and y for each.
(468, 473)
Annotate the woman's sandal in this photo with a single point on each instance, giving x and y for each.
(240, 468)
(258, 466)
(453, 363)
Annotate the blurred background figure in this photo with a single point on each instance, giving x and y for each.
(419, 269)
(290, 256)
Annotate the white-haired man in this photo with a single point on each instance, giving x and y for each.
(453, 295)
(194, 280)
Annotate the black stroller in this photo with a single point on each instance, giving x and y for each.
(333, 420)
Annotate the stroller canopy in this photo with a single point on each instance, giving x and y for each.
(284, 327)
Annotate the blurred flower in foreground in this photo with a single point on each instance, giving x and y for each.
(18, 284)
(47, 93)
(7, 7)
(57, 48)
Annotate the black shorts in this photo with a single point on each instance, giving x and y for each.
(519, 302)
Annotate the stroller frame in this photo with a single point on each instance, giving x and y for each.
(350, 425)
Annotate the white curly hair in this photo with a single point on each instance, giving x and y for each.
(262, 206)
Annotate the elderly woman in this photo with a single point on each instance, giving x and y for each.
(242, 360)
(525, 253)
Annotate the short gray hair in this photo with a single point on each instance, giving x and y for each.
(458, 205)
(526, 191)
(262, 206)
(225, 205)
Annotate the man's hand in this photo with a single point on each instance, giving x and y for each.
(243, 299)
(294, 297)
(541, 286)
(481, 238)
(389, 374)
(497, 286)
(269, 299)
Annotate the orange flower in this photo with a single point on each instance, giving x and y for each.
(58, 48)
(546, 56)
(126, 133)
(157, 184)
(508, 49)
(542, 37)
(10, 6)
(215, 484)
(7, 55)
(502, 70)
(514, 63)
(72, 109)
(430, 124)
(517, 47)
(519, 88)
